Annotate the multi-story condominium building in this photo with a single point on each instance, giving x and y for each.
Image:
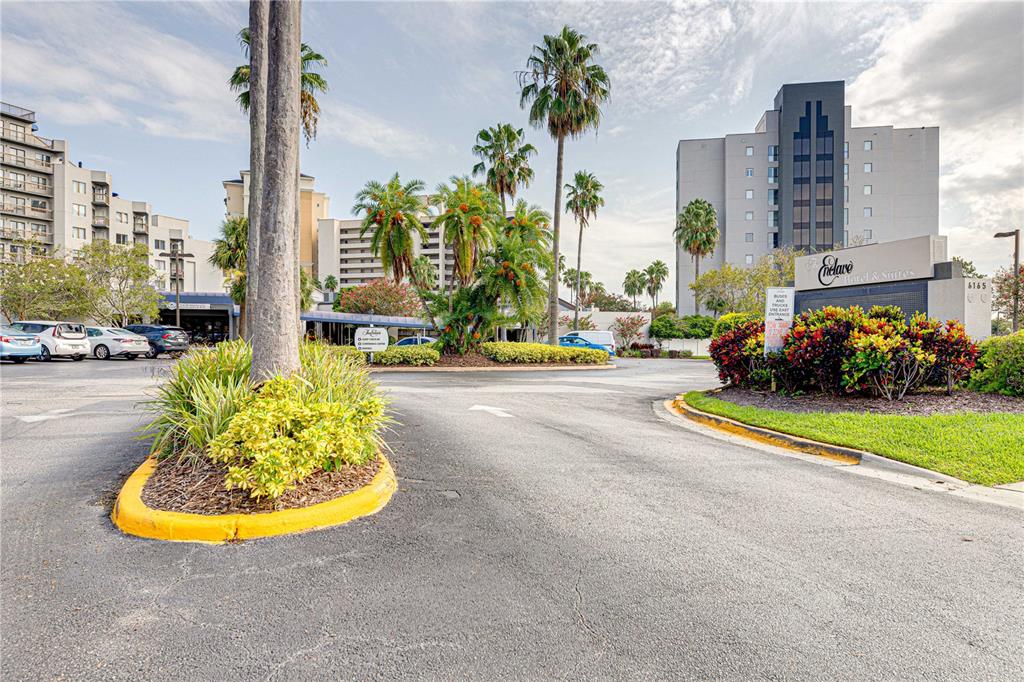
(61, 206)
(807, 179)
(313, 207)
(347, 256)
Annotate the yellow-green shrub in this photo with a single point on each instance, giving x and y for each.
(535, 353)
(408, 355)
(285, 432)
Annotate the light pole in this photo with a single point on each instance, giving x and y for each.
(1016, 273)
(177, 261)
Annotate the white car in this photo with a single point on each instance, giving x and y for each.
(601, 338)
(59, 339)
(109, 342)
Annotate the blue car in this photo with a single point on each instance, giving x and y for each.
(580, 342)
(18, 346)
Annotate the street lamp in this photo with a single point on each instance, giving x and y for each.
(1016, 273)
(177, 261)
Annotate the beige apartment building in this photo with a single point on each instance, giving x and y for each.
(61, 206)
(313, 207)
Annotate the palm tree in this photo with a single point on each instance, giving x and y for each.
(579, 283)
(635, 284)
(423, 275)
(504, 160)
(392, 213)
(583, 198)
(330, 283)
(230, 254)
(275, 337)
(697, 233)
(532, 224)
(470, 222)
(565, 89)
(656, 274)
(510, 274)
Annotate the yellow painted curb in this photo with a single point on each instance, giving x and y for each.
(133, 517)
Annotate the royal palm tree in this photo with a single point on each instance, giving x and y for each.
(635, 284)
(583, 198)
(697, 233)
(504, 160)
(565, 89)
(469, 220)
(230, 254)
(656, 273)
(392, 214)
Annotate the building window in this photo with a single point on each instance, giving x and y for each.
(867, 145)
(159, 244)
(867, 190)
(749, 173)
(867, 211)
(773, 218)
(867, 167)
(773, 175)
(121, 238)
(750, 194)
(846, 150)
(846, 193)
(122, 217)
(749, 259)
(748, 237)
(846, 216)
(846, 171)
(78, 232)
(773, 240)
(80, 187)
(846, 237)
(161, 265)
(773, 197)
(773, 153)
(867, 234)
(78, 210)
(749, 215)
(750, 151)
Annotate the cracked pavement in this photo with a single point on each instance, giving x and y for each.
(582, 538)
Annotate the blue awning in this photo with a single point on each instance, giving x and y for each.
(365, 320)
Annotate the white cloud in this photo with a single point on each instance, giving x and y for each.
(360, 128)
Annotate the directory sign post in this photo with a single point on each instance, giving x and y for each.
(778, 316)
(371, 340)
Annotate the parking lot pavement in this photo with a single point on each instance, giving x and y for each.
(546, 525)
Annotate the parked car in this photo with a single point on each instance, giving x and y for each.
(605, 339)
(18, 346)
(416, 341)
(162, 338)
(58, 339)
(110, 342)
(580, 342)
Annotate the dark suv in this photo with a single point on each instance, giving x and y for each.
(162, 338)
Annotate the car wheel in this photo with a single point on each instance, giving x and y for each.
(101, 352)
(152, 352)
(44, 355)
(18, 361)
(130, 356)
(78, 358)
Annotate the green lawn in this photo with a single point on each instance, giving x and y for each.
(980, 448)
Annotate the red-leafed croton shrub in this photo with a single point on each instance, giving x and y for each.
(955, 354)
(739, 355)
(884, 359)
(817, 345)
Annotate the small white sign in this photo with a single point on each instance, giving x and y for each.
(171, 305)
(371, 339)
(778, 316)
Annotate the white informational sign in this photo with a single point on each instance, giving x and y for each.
(371, 339)
(171, 305)
(778, 316)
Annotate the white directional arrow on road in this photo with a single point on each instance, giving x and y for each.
(496, 411)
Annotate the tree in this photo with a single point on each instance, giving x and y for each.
(604, 300)
(275, 333)
(657, 273)
(629, 328)
(724, 288)
(424, 278)
(1002, 290)
(470, 221)
(510, 277)
(392, 214)
(532, 224)
(330, 283)
(230, 254)
(742, 290)
(565, 89)
(504, 160)
(124, 281)
(379, 297)
(583, 198)
(47, 288)
(635, 284)
(663, 308)
(697, 233)
(968, 268)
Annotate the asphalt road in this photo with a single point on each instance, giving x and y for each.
(579, 537)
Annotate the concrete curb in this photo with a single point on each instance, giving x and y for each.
(133, 517)
(518, 368)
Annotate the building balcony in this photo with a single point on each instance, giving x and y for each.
(17, 112)
(28, 211)
(101, 221)
(140, 227)
(25, 162)
(23, 137)
(102, 198)
(27, 187)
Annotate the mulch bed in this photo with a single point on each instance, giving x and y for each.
(927, 402)
(180, 487)
(474, 359)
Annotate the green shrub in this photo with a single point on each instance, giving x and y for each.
(416, 356)
(534, 353)
(1000, 367)
(893, 313)
(697, 326)
(666, 327)
(730, 321)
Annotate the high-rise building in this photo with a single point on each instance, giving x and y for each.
(807, 179)
(313, 207)
(55, 206)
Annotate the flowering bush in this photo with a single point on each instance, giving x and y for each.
(381, 297)
(816, 346)
(955, 354)
(629, 328)
(739, 355)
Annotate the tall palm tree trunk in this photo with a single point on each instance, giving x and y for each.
(555, 231)
(275, 337)
(579, 274)
(259, 14)
(696, 276)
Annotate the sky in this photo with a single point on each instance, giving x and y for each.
(139, 89)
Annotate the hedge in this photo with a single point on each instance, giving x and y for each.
(1000, 366)
(416, 356)
(534, 353)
